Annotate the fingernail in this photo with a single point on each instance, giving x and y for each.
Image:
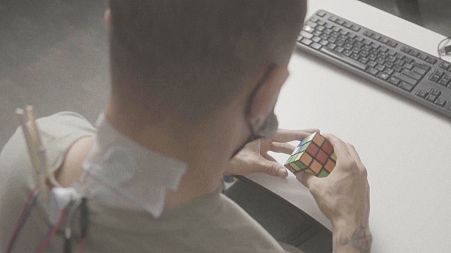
(283, 172)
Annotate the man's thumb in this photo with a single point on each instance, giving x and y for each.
(274, 169)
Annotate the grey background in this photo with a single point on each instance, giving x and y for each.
(53, 53)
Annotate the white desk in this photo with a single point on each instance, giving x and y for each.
(407, 150)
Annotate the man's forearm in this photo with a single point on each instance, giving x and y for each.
(357, 241)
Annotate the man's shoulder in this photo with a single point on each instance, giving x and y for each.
(58, 132)
(232, 229)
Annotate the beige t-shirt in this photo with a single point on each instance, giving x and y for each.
(212, 223)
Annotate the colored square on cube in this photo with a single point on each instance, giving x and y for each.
(314, 155)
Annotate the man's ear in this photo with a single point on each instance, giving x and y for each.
(107, 19)
(265, 97)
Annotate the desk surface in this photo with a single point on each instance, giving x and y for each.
(407, 149)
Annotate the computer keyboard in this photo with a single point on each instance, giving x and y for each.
(407, 71)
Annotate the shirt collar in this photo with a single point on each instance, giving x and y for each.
(121, 173)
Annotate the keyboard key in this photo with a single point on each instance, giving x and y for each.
(389, 71)
(316, 46)
(355, 28)
(422, 56)
(412, 74)
(434, 78)
(333, 18)
(373, 71)
(405, 78)
(444, 82)
(316, 39)
(383, 76)
(311, 24)
(331, 46)
(419, 71)
(320, 28)
(308, 29)
(344, 58)
(388, 64)
(306, 42)
(339, 49)
(376, 36)
(440, 102)
(372, 64)
(422, 93)
(408, 59)
(321, 13)
(354, 56)
(405, 49)
(306, 34)
(363, 60)
(439, 72)
(347, 24)
(406, 86)
(435, 92)
(431, 98)
(413, 53)
(431, 60)
(397, 68)
(444, 65)
(395, 81)
(391, 43)
(421, 66)
(380, 67)
(408, 66)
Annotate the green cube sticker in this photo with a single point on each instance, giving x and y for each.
(323, 173)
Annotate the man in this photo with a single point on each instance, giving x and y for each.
(193, 82)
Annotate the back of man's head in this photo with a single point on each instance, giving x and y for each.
(194, 55)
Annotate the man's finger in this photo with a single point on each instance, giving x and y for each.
(284, 135)
(356, 157)
(340, 148)
(268, 157)
(272, 168)
(279, 147)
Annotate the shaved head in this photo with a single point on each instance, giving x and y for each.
(194, 55)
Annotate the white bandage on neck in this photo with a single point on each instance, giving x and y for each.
(122, 174)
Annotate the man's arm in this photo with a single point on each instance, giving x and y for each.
(358, 241)
(344, 197)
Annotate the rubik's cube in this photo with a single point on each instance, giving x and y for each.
(314, 155)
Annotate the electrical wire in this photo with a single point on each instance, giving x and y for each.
(81, 246)
(84, 224)
(24, 215)
(51, 233)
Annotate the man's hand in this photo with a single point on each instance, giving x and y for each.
(343, 197)
(255, 158)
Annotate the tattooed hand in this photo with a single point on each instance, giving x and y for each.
(344, 198)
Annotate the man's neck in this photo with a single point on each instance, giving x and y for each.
(203, 175)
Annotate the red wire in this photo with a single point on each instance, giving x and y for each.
(81, 246)
(44, 244)
(24, 214)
